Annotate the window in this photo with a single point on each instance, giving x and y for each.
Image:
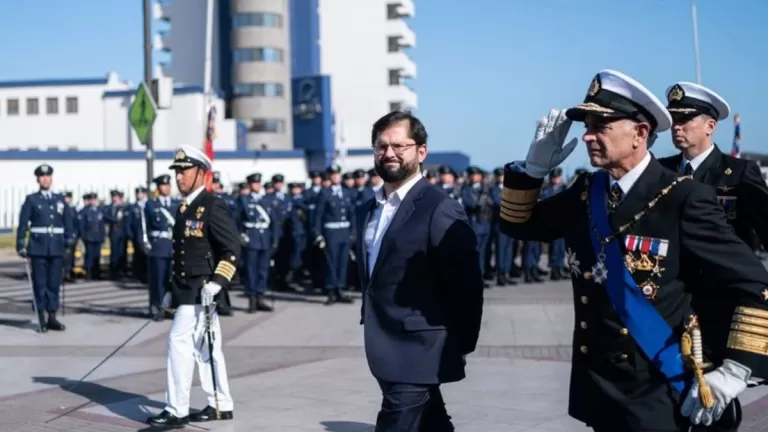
(257, 19)
(393, 44)
(392, 11)
(246, 55)
(267, 125)
(32, 106)
(394, 77)
(395, 106)
(12, 107)
(259, 89)
(71, 105)
(52, 105)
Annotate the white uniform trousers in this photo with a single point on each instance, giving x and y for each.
(187, 345)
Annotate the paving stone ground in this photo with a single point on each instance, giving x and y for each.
(299, 369)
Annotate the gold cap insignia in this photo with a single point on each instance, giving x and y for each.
(595, 86)
(728, 171)
(676, 93)
(180, 155)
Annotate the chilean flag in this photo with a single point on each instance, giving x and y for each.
(736, 148)
(210, 135)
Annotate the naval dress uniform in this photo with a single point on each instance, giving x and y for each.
(205, 254)
(741, 192)
(636, 247)
(45, 216)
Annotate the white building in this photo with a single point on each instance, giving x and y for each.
(259, 45)
(92, 114)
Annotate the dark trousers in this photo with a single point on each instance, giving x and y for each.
(482, 243)
(159, 279)
(117, 254)
(412, 408)
(92, 261)
(46, 282)
(557, 254)
(336, 263)
(139, 264)
(531, 254)
(256, 270)
(504, 253)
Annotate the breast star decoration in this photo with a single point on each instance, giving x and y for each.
(573, 263)
(599, 272)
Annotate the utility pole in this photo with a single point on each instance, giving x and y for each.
(696, 41)
(148, 81)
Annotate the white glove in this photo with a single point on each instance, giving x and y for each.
(320, 242)
(726, 382)
(166, 303)
(547, 150)
(244, 239)
(209, 291)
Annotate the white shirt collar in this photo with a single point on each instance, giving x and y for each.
(191, 197)
(629, 179)
(400, 193)
(696, 162)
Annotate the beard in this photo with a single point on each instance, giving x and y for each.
(402, 172)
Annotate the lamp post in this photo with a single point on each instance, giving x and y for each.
(696, 41)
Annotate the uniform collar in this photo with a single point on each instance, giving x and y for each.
(629, 179)
(191, 197)
(698, 160)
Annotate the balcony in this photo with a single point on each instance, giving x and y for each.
(404, 96)
(400, 9)
(401, 62)
(159, 13)
(400, 29)
(160, 42)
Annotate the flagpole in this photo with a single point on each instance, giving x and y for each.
(208, 49)
(696, 41)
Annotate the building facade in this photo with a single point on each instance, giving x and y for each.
(260, 45)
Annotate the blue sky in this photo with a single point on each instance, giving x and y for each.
(487, 68)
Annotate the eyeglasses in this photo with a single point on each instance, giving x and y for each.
(398, 149)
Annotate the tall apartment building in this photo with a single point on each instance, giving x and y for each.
(260, 45)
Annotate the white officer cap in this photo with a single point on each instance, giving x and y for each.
(691, 98)
(613, 94)
(188, 156)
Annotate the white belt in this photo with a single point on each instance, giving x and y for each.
(46, 230)
(336, 225)
(257, 225)
(161, 234)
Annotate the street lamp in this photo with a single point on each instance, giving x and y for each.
(696, 41)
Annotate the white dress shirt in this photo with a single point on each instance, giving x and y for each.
(191, 197)
(629, 179)
(697, 161)
(382, 216)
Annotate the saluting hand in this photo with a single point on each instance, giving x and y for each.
(547, 150)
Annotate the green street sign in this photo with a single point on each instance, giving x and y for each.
(142, 113)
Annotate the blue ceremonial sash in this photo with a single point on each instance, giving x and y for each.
(649, 329)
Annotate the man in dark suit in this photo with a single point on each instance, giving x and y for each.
(740, 189)
(421, 282)
(638, 237)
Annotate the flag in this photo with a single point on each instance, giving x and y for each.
(736, 147)
(210, 136)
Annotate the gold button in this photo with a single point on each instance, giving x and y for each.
(182, 252)
(183, 274)
(584, 349)
(624, 357)
(584, 325)
(584, 299)
(624, 332)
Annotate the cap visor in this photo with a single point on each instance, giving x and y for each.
(683, 110)
(580, 112)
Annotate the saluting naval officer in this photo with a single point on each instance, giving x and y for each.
(205, 254)
(637, 238)
(740, 189)
(51, 230)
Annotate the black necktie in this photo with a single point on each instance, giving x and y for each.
(614, 197)
(688, 169)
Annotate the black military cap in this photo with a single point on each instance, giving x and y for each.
(498, 172)
(313, 174)
(140, 189)
(372, 173)
(243, 185)
(86, 196)
(216, 176)
(43, 170)
(445, 169)
(556, 172)
(430, 174)
(347, 176)
(359, 173)
(188, 156)
(294, 185)
(580, 171)
(114, 193)
(333, 169)
(67, 194)
(474, 170)
(278, 178)
(254, 178)
(162, 180)
(268, 185)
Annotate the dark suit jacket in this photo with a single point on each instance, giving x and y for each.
(422, 305)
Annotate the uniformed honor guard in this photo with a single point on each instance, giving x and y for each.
(505, 245)
(556, 247)
(476, 199)
(69, 252)
(44, 215)
(448, 182)
(115, 219)
(638, 238)
(137, 231)
(159, 217)
(205, 254)
(93, 230)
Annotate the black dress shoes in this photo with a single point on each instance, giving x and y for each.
(209, 414)
(167, 420)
